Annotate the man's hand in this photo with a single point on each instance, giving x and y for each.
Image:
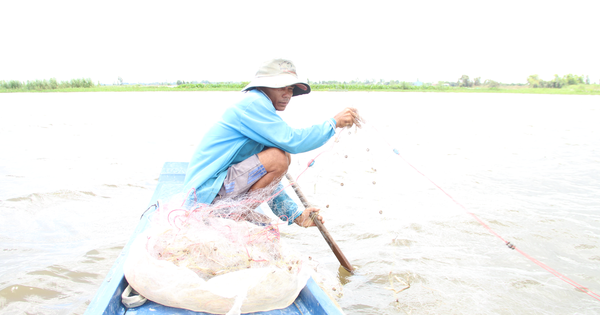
(348, 118)
(305, 220)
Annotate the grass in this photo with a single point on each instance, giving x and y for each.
(96, 88)
(76, 86)
(581, 89)
(15, 87)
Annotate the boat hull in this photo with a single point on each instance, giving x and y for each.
(311, 300)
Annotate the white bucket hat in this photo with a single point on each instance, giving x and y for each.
(278, 73)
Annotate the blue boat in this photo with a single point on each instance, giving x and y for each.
(311, 300)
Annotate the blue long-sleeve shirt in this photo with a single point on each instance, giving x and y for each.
(246, 129)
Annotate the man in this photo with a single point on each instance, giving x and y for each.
(250, 147)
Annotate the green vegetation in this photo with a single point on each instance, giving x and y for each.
(384, 86)
(39, 85)
(464, 81)
(556, 83)
(217, 86)
(568, 84)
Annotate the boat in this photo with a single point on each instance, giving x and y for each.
(108, 299)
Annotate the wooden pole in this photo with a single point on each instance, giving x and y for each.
(336, 250)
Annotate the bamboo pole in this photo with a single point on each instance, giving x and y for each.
(336, 250)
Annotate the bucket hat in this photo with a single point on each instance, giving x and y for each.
(278, 73)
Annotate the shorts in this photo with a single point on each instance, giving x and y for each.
(240, 177)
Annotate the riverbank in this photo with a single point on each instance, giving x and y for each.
(581, 89)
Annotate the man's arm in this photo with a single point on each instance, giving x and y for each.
(283, 206)
(259, 122)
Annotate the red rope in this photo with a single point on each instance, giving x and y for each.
(537, 262)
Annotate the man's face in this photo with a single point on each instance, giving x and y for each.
(279, 96)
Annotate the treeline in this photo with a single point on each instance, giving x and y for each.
(532, 81)
(371, 84)
(325, 86)
(51, 84)
(213, 86)
(379, 86)
(558, 82)
(464, 81)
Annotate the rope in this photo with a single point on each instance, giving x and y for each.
(509, 244)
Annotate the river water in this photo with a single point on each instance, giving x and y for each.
(78, 169)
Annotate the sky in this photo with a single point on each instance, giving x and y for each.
(158, 41)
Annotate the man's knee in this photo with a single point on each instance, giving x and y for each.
(275, 160)
(289, 157)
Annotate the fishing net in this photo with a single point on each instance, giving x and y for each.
(221, 258)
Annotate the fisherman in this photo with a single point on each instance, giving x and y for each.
(250, 147)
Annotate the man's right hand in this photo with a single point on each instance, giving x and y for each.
(305, 220)
(348, 118)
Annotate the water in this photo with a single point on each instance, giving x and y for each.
(78, 169)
